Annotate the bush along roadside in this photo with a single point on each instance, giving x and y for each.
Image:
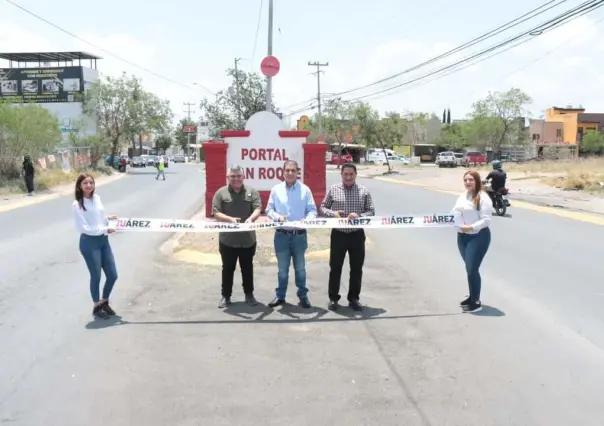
(45, 180)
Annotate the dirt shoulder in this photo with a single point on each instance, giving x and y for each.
(531, 183)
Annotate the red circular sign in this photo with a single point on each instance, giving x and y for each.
(270, 66)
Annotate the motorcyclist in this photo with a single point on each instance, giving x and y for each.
(498, 178)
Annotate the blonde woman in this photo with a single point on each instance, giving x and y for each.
(472, 212)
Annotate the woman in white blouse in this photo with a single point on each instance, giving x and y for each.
(93, 226)
(472, 212)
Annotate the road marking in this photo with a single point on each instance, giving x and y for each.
(578, 216)
(37, 199)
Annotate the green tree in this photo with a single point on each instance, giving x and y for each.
(183, 139)
(379, 133)
(454, 136)
(593, 142)
(163, 143)
(232, 107)
(25, 130)
(499, 118)
(81, 137)
(123, 109)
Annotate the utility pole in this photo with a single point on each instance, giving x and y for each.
(188, 105)
(318, 73)
(269, 80)
(239, 114)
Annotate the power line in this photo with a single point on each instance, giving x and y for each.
(583, 9)
(511, 24)
(256, 36)
(318, 73)
(528, 15)
(104, 50)
(188, 109)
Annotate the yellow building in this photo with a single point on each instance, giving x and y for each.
(575, 122)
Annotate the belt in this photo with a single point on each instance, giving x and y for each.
(292, 231)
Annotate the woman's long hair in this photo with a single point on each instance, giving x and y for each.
(477, 187)
(79, 193)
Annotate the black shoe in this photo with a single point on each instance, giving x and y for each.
(276, 302)
(333, 305)
(473, 307)
(465, 302)
(251, 300)
(224, 302)
(305, 303)
(105, 307)
(355, 306)
(98, 312)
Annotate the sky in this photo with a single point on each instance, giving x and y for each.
(181, 49)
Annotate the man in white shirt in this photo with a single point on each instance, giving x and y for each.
(291, 200)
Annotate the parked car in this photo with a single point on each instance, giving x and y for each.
(446, 159)
(138, 162)
(473, 158)
(179, 159)
(148, 159)
(340, 158)
(459, 158)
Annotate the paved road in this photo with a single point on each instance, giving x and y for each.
(43, 280)
(535, 356)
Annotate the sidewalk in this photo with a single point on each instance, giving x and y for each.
(13, 201)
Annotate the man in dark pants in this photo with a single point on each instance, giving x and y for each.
(347, 200)
(29, 172)
(235, 203)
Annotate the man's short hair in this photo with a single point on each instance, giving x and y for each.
(348, 166)
(235, 168)
(291, 162)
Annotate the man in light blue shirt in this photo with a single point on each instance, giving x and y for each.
(291, 201)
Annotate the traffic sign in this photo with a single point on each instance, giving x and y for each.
(189, 129)
(270, 66)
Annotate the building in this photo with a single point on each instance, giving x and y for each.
(576, 122)
(56, 81)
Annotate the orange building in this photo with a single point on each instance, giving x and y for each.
(575, 123)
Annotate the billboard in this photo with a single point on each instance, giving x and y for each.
(41, 85)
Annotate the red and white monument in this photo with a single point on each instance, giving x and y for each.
(261, 149)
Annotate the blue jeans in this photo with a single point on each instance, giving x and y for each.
(473, 248)
(288, 246)
(98, 256)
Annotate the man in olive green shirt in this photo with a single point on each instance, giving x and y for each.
(235, 203)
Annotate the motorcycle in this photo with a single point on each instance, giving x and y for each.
(499, 198)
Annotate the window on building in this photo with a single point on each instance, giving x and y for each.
(558, 133)
(536, 136)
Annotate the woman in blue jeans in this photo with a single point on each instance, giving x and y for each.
(472, 212)
(93, 226)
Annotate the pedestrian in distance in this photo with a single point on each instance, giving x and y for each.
(160, 168)
(291, 200)
(235, 203)
(93, 225)
(348, 200)
(28, 173)
(472, 214)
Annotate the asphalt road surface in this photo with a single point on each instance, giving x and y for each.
(534, 356)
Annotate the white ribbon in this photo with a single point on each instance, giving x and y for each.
(374, 222)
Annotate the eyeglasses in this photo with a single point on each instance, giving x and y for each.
(290, 171)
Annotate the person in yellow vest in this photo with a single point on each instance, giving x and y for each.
(160, 168)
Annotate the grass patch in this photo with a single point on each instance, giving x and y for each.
(570, 175)
(48, 179)
(578, 182)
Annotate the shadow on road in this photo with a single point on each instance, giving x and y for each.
(98, 323)
(489, 311)
(263, 320)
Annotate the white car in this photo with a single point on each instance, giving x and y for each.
(446, 159)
